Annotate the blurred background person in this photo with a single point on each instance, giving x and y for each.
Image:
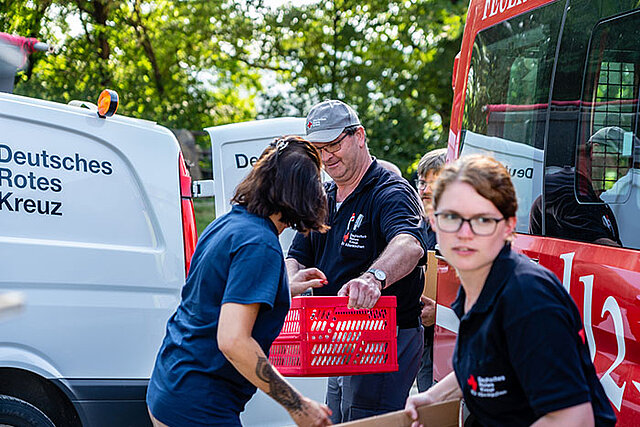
(429, 169)
(623, 198)
(391, 167)
(585, 220)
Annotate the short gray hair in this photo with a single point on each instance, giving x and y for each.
(433, 161)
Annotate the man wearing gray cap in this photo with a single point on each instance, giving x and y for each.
(624, 195)
(376, 241)
(577, 214)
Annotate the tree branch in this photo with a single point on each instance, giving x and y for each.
(145, 41)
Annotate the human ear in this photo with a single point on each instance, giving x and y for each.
(510, 228)
(361, 136)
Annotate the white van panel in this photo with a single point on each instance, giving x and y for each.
(69, 176)
(100, 279)
(236, 147)
(234, 150)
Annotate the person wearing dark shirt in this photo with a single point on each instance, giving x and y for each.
(588, 219)
(236, 297)
(520, 356)
(429, 169)
(565, 217)
(376, 241)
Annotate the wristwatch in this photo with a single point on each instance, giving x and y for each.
(380, 276)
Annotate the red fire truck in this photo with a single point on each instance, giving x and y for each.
(550, 88)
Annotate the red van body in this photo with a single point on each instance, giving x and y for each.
(534, 83)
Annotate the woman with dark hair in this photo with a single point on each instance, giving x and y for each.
(236, 297)
(520, 357)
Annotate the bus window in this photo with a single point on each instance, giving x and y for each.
(580, 165)
(507, 97)
(606, 166)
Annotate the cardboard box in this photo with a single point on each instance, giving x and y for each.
(444, 414)
(431, 277)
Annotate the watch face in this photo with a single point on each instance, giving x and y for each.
(380, 275)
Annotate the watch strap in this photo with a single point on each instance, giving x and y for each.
(379, 275)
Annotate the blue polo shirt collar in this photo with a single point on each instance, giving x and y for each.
(496, 280)
(243, 210)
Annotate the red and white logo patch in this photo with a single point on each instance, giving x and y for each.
(487, 387)
(315, 122)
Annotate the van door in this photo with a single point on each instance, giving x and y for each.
(234, 150)
(592, 197)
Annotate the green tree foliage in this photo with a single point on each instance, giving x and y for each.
(391, 60)
(170, 61)
(191, 64)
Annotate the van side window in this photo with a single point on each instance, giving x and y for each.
(608, 151)
(590, 144)
(507, 98)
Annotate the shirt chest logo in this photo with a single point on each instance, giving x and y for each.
(488, 387)
(351, 238)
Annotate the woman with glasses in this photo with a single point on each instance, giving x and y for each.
(236, 297)
(520, 356)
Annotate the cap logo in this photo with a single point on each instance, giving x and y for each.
(316, 122)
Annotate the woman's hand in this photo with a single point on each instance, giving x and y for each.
(306, 278)
(415, 401)
(311, 413)
(447, 389)
(242, 350)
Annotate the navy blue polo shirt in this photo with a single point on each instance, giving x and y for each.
(382, 206)
(520, 352)
(238, 259)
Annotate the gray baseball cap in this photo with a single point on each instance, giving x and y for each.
(610, 136)
(327, 120)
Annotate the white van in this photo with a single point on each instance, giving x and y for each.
(96, 230)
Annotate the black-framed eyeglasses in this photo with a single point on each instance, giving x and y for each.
(451, 222)
(335, 146)
(421, 183)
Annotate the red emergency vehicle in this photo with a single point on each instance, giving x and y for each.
(550, 88)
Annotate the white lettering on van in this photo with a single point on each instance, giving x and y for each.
(493, 7)
(614, 391)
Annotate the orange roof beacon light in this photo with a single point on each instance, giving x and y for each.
(107, 103)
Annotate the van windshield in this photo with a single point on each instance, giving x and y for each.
(507, 97)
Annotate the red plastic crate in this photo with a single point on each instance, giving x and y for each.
(322, 337)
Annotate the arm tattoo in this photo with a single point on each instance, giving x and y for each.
(278, 388)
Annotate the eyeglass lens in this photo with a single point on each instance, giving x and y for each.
(421, 183)
(335, 146)
(480, 225)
